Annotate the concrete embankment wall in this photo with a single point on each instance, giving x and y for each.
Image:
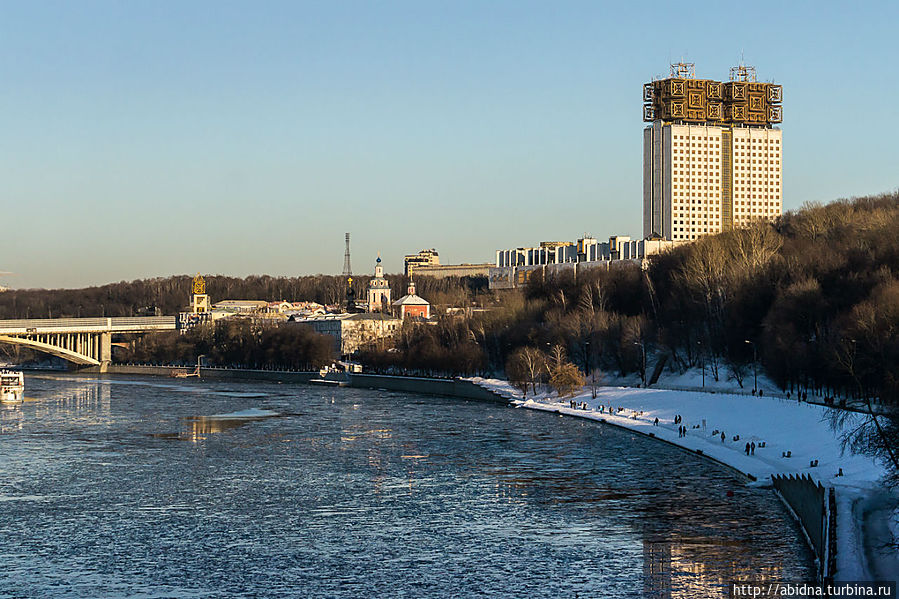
(448, 387)
(211, 373)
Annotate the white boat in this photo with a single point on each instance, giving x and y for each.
(12, 386)
(183, 374)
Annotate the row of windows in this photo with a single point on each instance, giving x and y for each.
(679, 147)
(715, 137)
(692, 233)
(712, 216)
(742, 184)
(694, 236)
(676, 151)
(739, 140)
(738, 171)
(737, 155)
(740, 196)
(712, 204)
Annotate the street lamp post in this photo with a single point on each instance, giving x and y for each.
(643, 370)
(643, 350)
(702, 359)
(755, 372)
(587, 357)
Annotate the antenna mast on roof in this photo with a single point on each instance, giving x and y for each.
(683, 70)
(742, 72)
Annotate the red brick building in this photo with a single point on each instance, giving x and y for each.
(411, 305)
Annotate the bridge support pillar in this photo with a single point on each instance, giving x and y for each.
(105, 353)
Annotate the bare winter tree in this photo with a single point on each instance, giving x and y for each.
(526, 366)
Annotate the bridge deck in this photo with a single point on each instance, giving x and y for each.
(134, 324)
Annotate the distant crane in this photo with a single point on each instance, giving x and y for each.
(347, 269)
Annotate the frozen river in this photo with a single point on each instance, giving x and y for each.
(154, 488)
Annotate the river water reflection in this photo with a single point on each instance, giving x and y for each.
(146, 487)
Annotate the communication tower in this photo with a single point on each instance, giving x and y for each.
(347, 269)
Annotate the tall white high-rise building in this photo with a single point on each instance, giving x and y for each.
(712, 160)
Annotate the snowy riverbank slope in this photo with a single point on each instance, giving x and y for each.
(783, 425)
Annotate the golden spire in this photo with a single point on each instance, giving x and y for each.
(199, 285)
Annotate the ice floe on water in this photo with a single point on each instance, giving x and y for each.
(242, 414)
(4, 498)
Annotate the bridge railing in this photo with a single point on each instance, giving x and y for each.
(119, 324)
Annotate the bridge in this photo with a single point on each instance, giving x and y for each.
(81, 341)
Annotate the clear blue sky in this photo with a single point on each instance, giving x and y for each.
(153, 138)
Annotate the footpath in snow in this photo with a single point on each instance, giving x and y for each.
(777, 426)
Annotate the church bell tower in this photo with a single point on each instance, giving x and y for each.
(378, 290)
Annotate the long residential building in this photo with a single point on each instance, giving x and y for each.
(586, 249)
(514, 267)
(442, 271)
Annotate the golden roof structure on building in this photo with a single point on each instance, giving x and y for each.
(199, 285)
(741, 101)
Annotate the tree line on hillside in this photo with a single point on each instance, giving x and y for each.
(170, 295)
(236, 344)
(813, 297)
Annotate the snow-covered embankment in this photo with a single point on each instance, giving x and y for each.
(777, 427)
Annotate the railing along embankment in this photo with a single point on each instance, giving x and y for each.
(814, 506)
